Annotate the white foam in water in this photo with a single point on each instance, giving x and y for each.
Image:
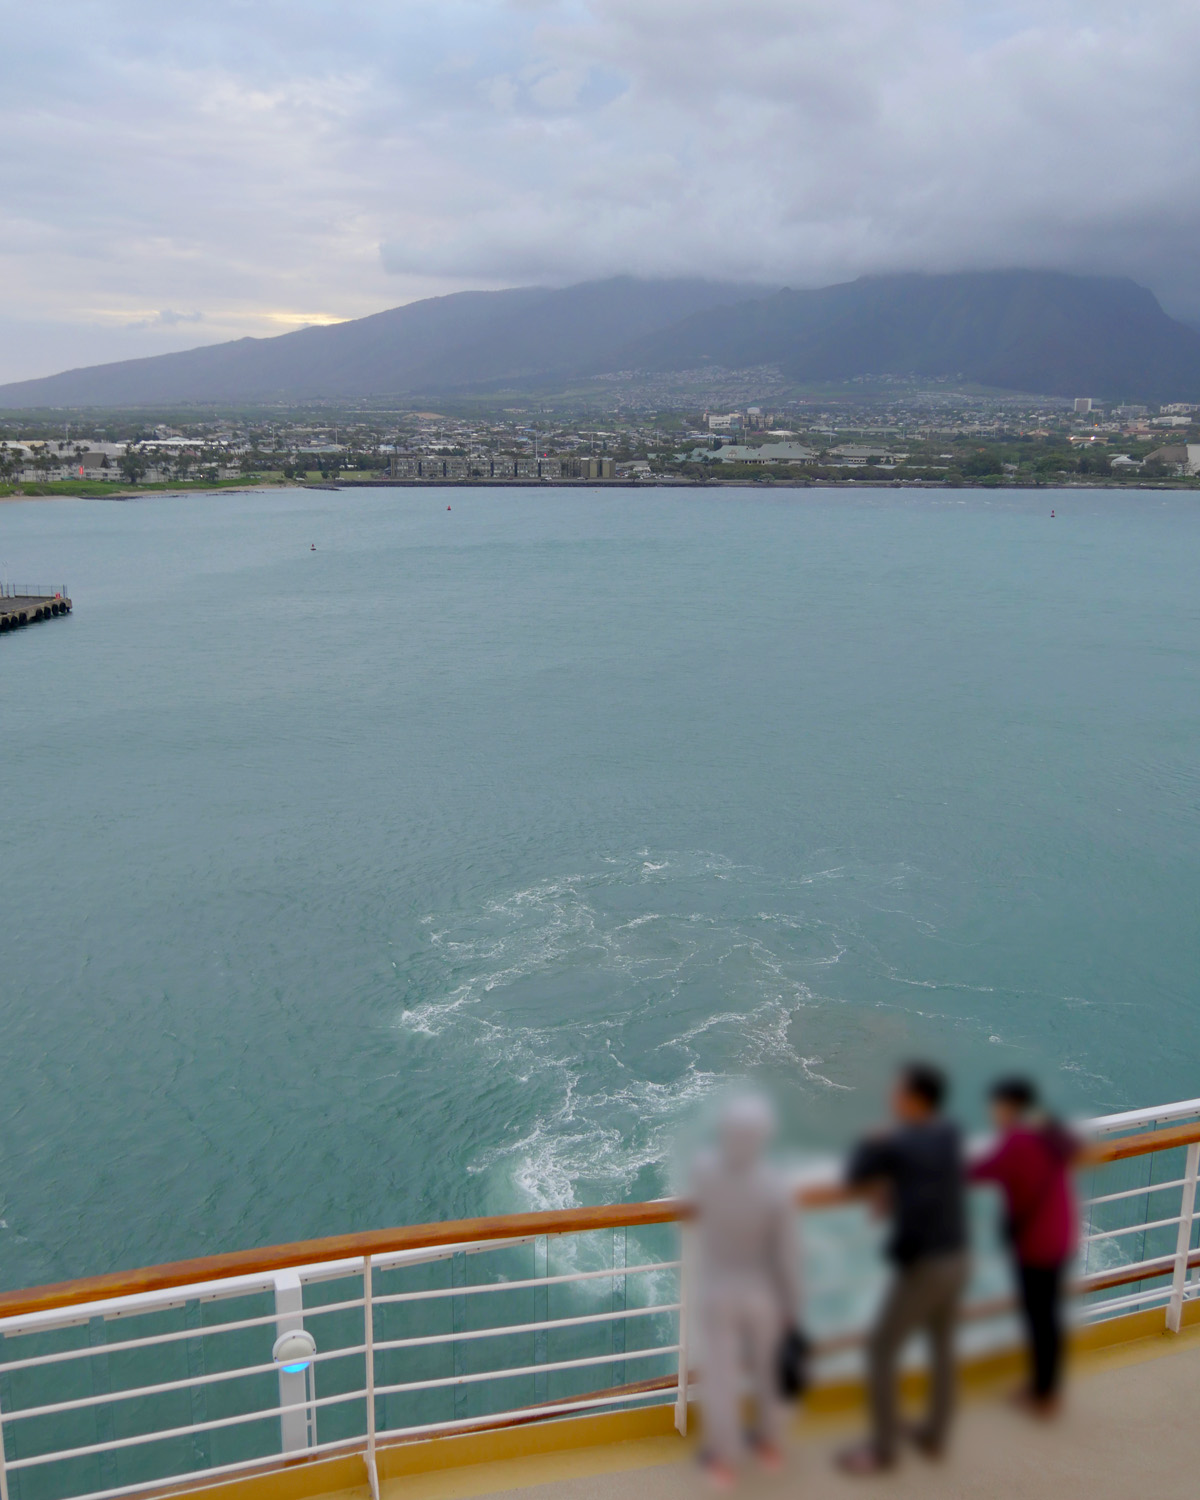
(588, 1015)
(609, 1029)
(573, 1142)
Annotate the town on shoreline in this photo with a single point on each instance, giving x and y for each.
(923, 439)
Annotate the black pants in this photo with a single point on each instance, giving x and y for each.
(1040, 1296)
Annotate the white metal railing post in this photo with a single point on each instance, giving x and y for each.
(293, 1384)
(3, 1459)
(369, 1349)
(681, 1392)
(1183, 1239)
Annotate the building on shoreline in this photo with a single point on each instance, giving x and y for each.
(765, 453)
(1185, 457)
(436, 466)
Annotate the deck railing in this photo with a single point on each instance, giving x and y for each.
(33, 591)
(182, 1373)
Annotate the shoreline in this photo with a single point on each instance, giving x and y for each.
(150, 494)
(1183, 485)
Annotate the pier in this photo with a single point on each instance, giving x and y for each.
(24, 603)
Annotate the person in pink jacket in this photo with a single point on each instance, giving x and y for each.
(1031, 1165)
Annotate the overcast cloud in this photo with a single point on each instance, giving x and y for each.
(181, 173)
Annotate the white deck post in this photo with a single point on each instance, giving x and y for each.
(369, 1344)
(681, 1395)
(293, 1385)
(1183, 1239)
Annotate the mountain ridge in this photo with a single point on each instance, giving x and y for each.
(426, 345)
(1039, 332)
(1044, 332)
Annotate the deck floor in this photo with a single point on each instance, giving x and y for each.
(1130, 1428)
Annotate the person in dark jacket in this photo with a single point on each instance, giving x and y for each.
(918, 1166)
(1030, 1164)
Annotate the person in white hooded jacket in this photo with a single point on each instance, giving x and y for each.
(747, 1248)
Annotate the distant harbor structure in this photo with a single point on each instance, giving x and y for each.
(25, 603)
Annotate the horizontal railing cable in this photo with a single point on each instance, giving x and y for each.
(1112, 1234)
(542, 1327)
(1137, 1192)
(205, 1330)
(107, 1398)
(476, 1376)
(161, 1436)
(534, 1281)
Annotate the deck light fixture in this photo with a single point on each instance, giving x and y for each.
(294, 1350)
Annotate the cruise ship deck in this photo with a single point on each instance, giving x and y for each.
(1128, 1428)
(556, 1352)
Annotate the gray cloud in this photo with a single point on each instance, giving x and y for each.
(272, 164)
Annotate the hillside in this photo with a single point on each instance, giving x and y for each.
(1039, 332)
(465, 339)
(1036, 331)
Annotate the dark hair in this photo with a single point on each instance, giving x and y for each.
(1018, 1092)
(925, 1082)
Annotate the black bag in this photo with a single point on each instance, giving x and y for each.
(794, 1354)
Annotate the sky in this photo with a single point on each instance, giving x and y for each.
(178, 173)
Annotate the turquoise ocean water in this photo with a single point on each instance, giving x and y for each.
(443, 870)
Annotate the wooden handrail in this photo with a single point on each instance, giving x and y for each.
(337, 1247)
(1124, 1147)
(463, 1231)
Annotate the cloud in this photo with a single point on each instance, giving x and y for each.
(166, 318)
(238, 159)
